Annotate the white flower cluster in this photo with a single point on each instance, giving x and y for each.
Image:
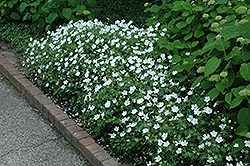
(121, 87)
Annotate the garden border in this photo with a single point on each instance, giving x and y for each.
(93, 152)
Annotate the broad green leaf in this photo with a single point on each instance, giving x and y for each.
(213, 93)
(195, 43)
(11, 3)
(181, 24)
(73, 2)
(231, 31)
(242, 130)
(245, 30)
(178, 6)
(176, 58)
(15, 16)
(178, 44)
(25, 16)
(236, 102)
(91, 2)
(33, 10)
(185, 14)
(66, 12)
(187, 6)
(80, 8)
(35, 4)
(221, 85)
(51, 17)
(245, 71)
(211, 66)
(228, 98)
(155, 8)
(230, 18)
(238, 144)
(190, 19)
(197, 80)
(222, 9)
(23, 6)
(236, 91)
(235, 52)
(188, 36)
(244, 117)
(35, 17)
(198, 33)
(222, 1)
(46, 10)
(197, 8)
(206, 84)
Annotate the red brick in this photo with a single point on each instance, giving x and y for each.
(16, 83)
(100, 157)
(53, 113)
(80, 135)
(37, 99)
(90, 150)
(85, 142)
(110, 162)
(70, 130)
(67, 122)
(58, 118)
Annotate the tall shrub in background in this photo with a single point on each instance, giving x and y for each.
(47, 13)
(209, 44)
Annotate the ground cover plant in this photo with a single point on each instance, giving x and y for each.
(123, 90)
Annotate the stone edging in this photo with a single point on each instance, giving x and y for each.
(94, 153)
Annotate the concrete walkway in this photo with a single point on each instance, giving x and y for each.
(26, 138)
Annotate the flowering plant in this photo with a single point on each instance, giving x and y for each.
(123, 91)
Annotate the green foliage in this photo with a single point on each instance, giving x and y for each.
(47, 13)
(111, 10)
(215, 34)
(19, 34)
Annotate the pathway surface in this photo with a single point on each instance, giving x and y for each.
(26, 138)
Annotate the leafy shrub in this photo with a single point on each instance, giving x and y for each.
(112, 10)
(18, 34)
(217, 35)
(122, 89)
(47, 13)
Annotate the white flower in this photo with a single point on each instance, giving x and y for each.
(206, 136)
(201, 146)
(156, 126)
(184, 143)
(139, 101)
(174, 72)
(190, 92)
(127, 102)
(112, 135)
(210, 160)
(207, 99)
(107, 104)
(213, 133)
(124, 93)
(175, 109)
(164, 136)
(158, 158)
(229, 158)
(236, 145)
(166, 144)
(247, 143)
(91, 107)
(145, 130)
(77, 73)
(134, 111)
(160, 104)
(239, 163)
(65, 82)
(122, 134)
(207, 110)
(124, 113)
(116, 129)
(194, 121)
(222, 126)
(229, 164)
(160, 142)
(97, 116)
(178, 151)
(219, 139)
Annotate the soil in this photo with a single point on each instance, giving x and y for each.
(16, 59)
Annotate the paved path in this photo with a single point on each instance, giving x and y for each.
(28, 139)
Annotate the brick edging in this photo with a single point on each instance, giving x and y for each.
(93, 152)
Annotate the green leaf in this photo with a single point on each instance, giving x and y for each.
(185, 14)
(188, 36)
(244, 117)
(222, 1)
(80, 8)
(206, 84)
(236, 51)
(213, 93)
(66, 12)
(222, 9)
(228, 98)
(73, 2)
(91, 2)
(35, 17)
(181, 24)
(236, 102)
(23, 6)
(231, 31)
(190, 19)
(197, 80)
(197, 8)
(245, 71)
(198, 33)
(178, 6)
(194, 43)
(155, 9)
(33, 10)
(245, 30)
(176, 58)
(242, 130)
(46, 10)
(236, 91)
(187, 6)
(211, 66)
(221, 85)
(178, 44)
(15, 16)
(51, 17)
(11, 3)
(238, 144)
(230, 18)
